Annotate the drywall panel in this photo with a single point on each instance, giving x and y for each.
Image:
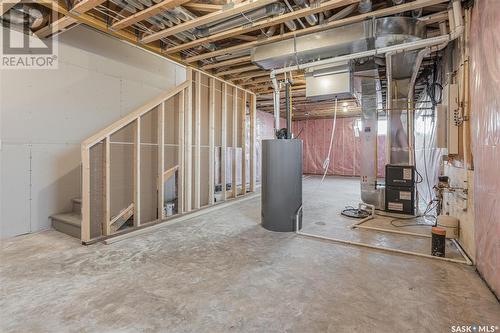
(15, 188)
(99, 80)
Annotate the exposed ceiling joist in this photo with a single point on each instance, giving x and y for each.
(353, 19)
(205, 19)
(86, 5)
(147, 13)
(56, 26)
(238, 70)
(227, 62)
(321, 7)
(203, 7)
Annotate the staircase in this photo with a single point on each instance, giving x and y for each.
(69, 223)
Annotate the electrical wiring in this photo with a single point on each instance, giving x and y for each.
(326, 162)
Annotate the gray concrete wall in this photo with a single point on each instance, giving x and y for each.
(45, 114)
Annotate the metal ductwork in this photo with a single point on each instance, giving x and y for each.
(311, 19)
(343, 40)
(365, 6)
(270, 10)
(21, 14)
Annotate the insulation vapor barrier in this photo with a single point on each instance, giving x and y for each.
(345, 155)
(485, 133)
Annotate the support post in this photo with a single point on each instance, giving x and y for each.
(223, 140)
(180, 155)
(234, 180)
(161, 159)
(106, 227)
(188, 100)
(244, 143)
(197, 140)
(85, 232)
(137, 173)
(211, 143)
(253, 115)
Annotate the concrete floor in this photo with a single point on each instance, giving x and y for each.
(222, 272)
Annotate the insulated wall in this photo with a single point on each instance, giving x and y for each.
(45, 115)
(485, 127)
(345, 153)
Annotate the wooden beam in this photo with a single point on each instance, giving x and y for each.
(342, 22)
(253, 119)
(434, 18)
(238, 70)
(121, 218)
(106, 225)
(188, 158)
(170, 172)
(227, 62)
(262, 24)
(203, 7)
(56, 26)
(246, 38)
(197, 140)
(161, 160)
(137, 173)
(243, 144)
(85, 229)
(205, 19)
(223, 140)
(180, 154)
(234, 180)
(86, 5)
(211, 143)
(248, 75)
(147, 13)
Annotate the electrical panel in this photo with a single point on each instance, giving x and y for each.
(453, 117)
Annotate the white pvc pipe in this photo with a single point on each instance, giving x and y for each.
(388, 106)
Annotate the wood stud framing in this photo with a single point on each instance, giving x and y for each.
(187, 155)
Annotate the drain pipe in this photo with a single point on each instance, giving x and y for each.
(288, 108)
(276, 100)
(388, 108)
(411, 104)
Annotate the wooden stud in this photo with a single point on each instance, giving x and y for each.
(161, 160)
(209, 18)
(223, 141)
(85, 228)
(189, 142)
(211, 143)
(197, 141)
(234, 180)
(137, 173)
(106, 225)
(253, 118)
(244, 144)
(180, 155)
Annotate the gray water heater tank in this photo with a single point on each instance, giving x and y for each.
(281, 184)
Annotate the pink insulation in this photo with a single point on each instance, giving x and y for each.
(485, 132)
(345, 154)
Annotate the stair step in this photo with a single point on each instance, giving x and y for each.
(77, 205)
(68, 223)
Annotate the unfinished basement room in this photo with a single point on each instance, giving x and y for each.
(250, 166)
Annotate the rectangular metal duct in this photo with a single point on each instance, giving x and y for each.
(347, 39)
